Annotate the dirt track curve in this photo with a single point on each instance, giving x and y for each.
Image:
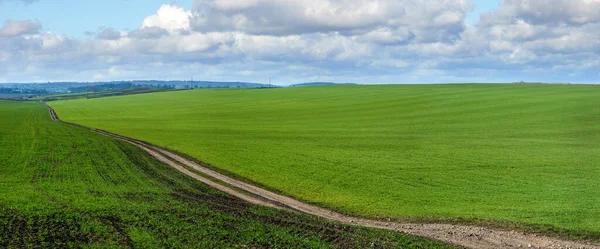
(460, 235)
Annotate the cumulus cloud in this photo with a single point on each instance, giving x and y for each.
(108, 34)
(149, 33)
(17, 28)
(570, 12)
(536, 32)
(169, 17)
(280, 17)
(384, 41)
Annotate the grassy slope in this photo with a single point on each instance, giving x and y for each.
(67, 187)
(525, 153)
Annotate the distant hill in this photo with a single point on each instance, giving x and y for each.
(67, 87)
(211, 84)
(320, 84)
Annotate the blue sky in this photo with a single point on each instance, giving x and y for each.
(363, 41)
(481, 6)
(76, 17)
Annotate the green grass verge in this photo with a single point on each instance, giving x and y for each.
(516, 153)
(66, 187)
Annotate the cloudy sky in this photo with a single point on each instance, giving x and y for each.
(363, 41)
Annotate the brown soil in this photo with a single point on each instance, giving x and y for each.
(461, 235)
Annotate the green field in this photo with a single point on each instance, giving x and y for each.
(520, 153)
(98, 94)
(66, 187)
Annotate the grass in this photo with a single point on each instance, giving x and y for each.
(65, 187)
(516, 153)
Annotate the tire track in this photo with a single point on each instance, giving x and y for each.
(53, 115)
(461, 235)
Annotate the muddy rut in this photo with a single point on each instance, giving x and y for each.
(460, 235)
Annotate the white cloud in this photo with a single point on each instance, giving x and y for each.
(388, 35)
(571, 12)
(17, 28)
(282, 17)
(448, 18)
(169, 17)
(50, 41)
(233, 4)
(109, 34)
(536, 32)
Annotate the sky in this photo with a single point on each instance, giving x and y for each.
(292, 41)
(479, 7)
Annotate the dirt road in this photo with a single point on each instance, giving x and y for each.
(461, 235)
